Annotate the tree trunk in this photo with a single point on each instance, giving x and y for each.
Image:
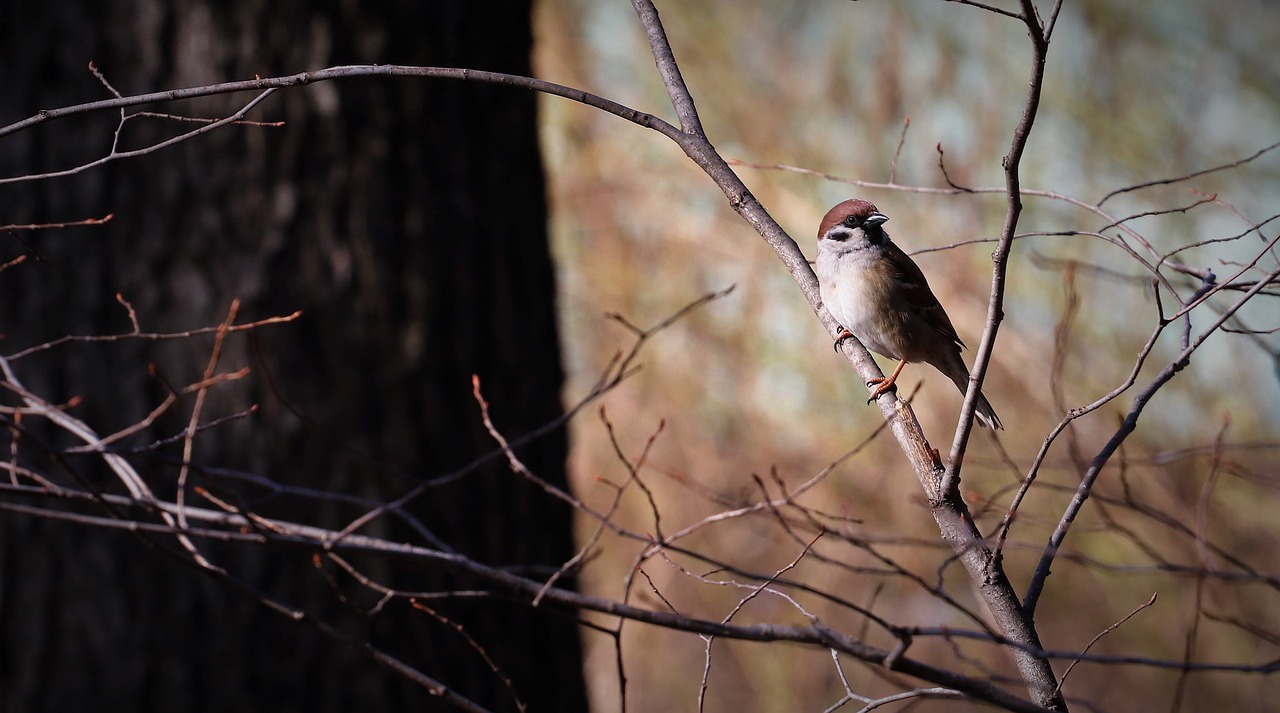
(407, 219)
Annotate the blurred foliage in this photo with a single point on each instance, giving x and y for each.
(1135, 91)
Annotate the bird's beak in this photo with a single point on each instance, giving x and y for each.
(875, 219)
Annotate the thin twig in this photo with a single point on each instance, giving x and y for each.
(902, 139)
(1189, 176)
(1101, 634)
(188, 441)
(147, 336)
(68, 224)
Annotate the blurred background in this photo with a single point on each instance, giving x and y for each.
(748, 385)
(406, 220)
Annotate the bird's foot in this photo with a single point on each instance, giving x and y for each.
(882, 384)
(843, 335)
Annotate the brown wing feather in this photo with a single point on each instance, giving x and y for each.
(918, 295)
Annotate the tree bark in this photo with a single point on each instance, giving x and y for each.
(407, 219)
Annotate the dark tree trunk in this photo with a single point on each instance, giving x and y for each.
(407, 219)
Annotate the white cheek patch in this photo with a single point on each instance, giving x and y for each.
(846, 240)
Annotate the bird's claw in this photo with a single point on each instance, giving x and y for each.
(843, 335)
(882, 385)
(885, 383)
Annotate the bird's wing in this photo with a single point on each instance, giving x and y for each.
(920, 299)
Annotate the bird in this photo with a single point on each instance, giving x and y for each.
(881, 297)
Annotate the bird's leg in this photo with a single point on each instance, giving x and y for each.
(884, 384)
(843, 335)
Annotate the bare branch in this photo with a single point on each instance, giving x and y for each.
(1189, 176)
(319, 540)
(681, 99)
(70, 224)
(1101, 634)
(150, 336)
(902, 139)
(188, 441)
(988, 8)
(1127, 427)
(270, 84)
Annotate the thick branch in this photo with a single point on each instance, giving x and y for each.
(681, 99)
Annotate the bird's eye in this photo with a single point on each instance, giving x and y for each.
(851, 221)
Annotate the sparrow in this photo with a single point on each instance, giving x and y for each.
(880, 296)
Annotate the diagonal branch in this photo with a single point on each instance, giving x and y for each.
(984, 568)
(1127, 427)
(663, 56)
(1000, 258)
(1189, 176)
(954, 521)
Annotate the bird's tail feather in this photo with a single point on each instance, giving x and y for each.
(984, 413)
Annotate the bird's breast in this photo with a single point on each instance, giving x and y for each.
(861, 302)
